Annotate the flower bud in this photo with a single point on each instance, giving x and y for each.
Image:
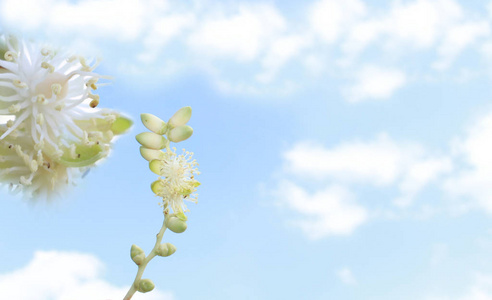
(162, 250)
(138, 259)
(176, 225)
(137, 254)
(153, 123)
(151, 140)
(165, 250)
(156, 166)
(181, 117)
(157, 187)
(170, 249)
(145, 285)
(180, 133)
(150, 154)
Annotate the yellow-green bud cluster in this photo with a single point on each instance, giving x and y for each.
(177, 172)
(175, 129)
(165, 249)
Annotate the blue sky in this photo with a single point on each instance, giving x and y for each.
(344, 148)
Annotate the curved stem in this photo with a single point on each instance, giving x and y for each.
(141, 268)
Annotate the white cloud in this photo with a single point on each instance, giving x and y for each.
(382, 163)
(457, 38)
(120, 19)
(419, 174)
(330, 18)
(280, 51)
(480, 289)
(55, 275)
(330, 211)
(162, 32)
(346, 276)
(240, 35)
(420, 23)
(474, 180)
(378, 162)
(401, 171)
(373, 82)
(257, 49)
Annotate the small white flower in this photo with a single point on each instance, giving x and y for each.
(55, 125)
(178, 181)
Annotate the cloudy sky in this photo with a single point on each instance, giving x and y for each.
(344, 148)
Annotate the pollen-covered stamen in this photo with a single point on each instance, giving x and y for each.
(95, 100)
(46, 52)
(85, 66)
(179, 181)
(92, 83)
(14, 108)
(41, 99)
(48, 66)
(10, 56)
(19, 84)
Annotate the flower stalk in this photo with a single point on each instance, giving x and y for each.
(141, 268)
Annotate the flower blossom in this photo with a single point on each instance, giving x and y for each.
(54, 132)
(177, 182)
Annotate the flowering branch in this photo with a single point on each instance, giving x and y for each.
(175, 184)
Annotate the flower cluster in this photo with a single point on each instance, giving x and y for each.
(50, 129)
(177, 172)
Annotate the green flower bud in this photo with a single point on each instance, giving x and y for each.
(151, 140)
(176, 225)
(137, 254)
(157, 187)
(170, 249)
(162, 250)
(138, 259)
(156, 166)
(180, 133)
(181, 117)
(145, 285)
(135, 250)
(165, 250)
(153, 123)
(150, 154)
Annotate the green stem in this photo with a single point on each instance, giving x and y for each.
(141, 268)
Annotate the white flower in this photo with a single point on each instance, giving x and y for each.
(178, 181)
(47, 92)
(54, 120)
